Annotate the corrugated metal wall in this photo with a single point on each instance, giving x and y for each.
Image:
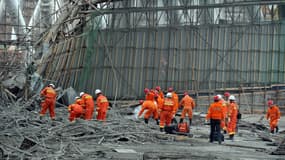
(123, 62)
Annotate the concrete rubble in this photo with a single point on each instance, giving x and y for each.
(122, 136)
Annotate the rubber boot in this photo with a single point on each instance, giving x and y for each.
(181, 120)
(146, 121)
(272, 131)
(277, 129)
(157, 122)
(190, 121)
(225, 132)
(161, 129)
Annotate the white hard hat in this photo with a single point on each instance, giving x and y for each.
(97, 91)
(169, 95)
(81, 94)
(52, 85)
(76, 98)
(232, 98)
(219, 96)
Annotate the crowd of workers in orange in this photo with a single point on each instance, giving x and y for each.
(222, 113)
(83, 106)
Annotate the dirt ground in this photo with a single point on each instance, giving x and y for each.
(122, 136)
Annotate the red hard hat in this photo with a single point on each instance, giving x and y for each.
(270, 102)
(158, 88)
(170, 89)
(227, 94)
(185, 93)
(216, 98)
(141, 101)
(146, 90)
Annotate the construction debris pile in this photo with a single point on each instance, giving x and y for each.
(24, 136)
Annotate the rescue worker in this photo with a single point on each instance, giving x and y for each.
(225, 110)
(273, 115)
(176, 103)
(167, 112)
(188, 105)
(160, 93)
(88, 105)
(75, 110)
(149, 94)
(151, 110)
(159, 101)
(232, 117)
(49, 95)
(102, 105)
(215, 114)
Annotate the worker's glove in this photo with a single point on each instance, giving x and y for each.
(229, 119)
(173, 116)
(96, 113)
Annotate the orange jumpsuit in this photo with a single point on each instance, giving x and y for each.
(159, 102)
(151, 110)
(102, 107)
(150, 95)
(273, 114)
(79, 101)
(88, 105)
(225, 110)
(166, 113)
(160, 93)
(215, 111)
(232, 115)
(75, 111)
(176, 101)
(49, 103)
(188, 105)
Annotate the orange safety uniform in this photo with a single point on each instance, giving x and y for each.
(166, 113)
(102, 107)
(150, 95)
(151, 110)
(160, 93)
(75, 111)
(49, 102)
(188, 105)
(79, 101)
(273, 114)
(175, 100)
(88, 105)
(159, 102)
(232, 117)
(215, 111)
(225, 105)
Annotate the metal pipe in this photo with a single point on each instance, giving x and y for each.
(15, 11)
(2, 8)
(35, 17)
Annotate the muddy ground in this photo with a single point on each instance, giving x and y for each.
(122, 136)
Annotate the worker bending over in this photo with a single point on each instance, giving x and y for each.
(49, 96)
(75, 110)
(151, 110)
